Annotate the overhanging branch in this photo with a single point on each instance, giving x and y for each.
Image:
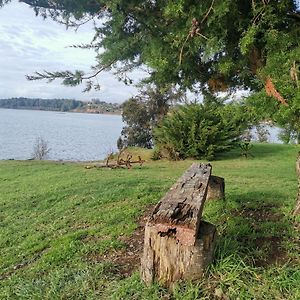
(71, 78)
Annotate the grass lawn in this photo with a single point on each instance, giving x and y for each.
(71, 233)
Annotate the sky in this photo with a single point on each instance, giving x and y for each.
(29, 43)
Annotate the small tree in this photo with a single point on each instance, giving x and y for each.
(137, 131)
(40, 149)
(144, 111)
(201, 130)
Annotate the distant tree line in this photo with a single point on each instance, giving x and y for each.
(57, 104)
(41, 104)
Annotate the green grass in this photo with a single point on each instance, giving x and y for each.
(54, 218)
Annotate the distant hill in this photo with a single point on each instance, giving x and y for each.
(66, 105)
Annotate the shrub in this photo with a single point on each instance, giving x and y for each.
(201, 130)
(40, 148)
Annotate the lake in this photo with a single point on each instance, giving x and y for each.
(71, 136)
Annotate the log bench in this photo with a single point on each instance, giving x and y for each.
(178, 245)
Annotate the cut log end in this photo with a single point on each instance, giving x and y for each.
(167, 260)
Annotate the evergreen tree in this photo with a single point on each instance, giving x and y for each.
(201, 130)
(213, 44)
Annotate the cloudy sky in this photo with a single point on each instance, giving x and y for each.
(29, 43)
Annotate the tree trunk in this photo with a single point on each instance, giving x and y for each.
(297, 208)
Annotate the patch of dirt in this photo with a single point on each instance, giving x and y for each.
(263, 213)
(273, 251)
(93, 239)
(128, 260)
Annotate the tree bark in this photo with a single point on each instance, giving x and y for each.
(167, 261)
(182, 206)
(178, 245)
(297, 208)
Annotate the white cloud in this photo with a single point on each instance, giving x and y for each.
(29, 43)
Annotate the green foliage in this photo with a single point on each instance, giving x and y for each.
(143, 112)
(248, 39)
(233, 44)
(286, 117)
(201, 130)
(246, 148)
(155, 33)
(137, 132)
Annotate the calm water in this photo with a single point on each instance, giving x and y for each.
(71, 136)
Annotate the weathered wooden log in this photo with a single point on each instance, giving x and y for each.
(216, 188)
(178, 245)
(297, 207)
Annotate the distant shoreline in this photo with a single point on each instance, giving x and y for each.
(90, 111)
(86, 111)
(94, 106)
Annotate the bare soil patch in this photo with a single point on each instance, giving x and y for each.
(273, 251)
(263, 213)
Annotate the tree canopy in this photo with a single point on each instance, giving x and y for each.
(213, 44)
(142, 113)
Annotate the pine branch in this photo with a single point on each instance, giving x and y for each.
(71, 78)
(208, 12)
(105, 67)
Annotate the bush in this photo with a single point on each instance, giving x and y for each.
(40, 149)
(201, 130)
